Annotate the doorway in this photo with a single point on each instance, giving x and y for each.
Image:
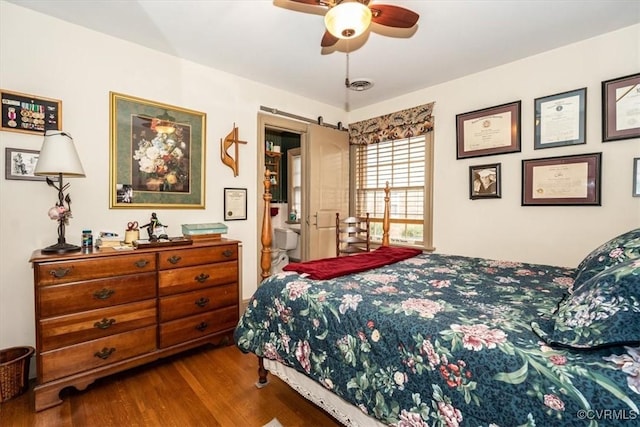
(324, 158)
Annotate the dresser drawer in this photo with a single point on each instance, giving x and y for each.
(94, 268)
(80, 296)
(93, 354)
(187, 257)
(198, 277)
(200, 325)
(62, 331)
(186, 304)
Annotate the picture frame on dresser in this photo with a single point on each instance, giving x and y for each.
(621, 108)
(33, 114)
(562, 181)
(560, 119)
(157, 154)
(489, 131)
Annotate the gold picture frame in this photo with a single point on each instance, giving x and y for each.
(157, 155)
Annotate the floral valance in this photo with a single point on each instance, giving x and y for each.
(399, 125)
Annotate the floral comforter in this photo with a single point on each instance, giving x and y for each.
(442, 340)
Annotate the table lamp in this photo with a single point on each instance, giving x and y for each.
(58, 157)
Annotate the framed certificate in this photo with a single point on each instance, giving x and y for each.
(566, 180)
(489, 131)
(235, 204)
(621, 108)
(636, 177)
(560, 119)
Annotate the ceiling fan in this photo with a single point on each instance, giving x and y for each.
(347, 19)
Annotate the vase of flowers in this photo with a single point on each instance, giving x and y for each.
(163, 162)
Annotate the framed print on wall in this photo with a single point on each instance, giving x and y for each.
(621, 108)
(489, 131)
(157, 154)
(560, 119)
(565, 180)
(484, 181)
(636, 177)
(20, 164)
(235, 204)
(32, 114)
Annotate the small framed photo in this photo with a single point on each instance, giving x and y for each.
(489, 131)
(20, 164)
(32, 114)
(560, 119)
(235, 204)
(484, 181)
(566, 180)
(636, 177)
(620, 112)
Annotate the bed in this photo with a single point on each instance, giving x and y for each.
(447, 340)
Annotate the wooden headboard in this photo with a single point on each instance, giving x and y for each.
(266, 234)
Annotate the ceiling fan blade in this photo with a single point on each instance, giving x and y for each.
(328, 39)
(393, 16)
(311, 2)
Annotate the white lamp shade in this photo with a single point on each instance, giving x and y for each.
(348, 20)
(58, 155)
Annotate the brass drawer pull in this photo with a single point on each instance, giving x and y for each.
(104, 323)
(202, 302)
(104, 293)
(141, 263)
(174, 259)
(105, 353)
(59, 273)
(202, 326)
(227, 253)
(202, 277)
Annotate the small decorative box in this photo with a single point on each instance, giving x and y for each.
(203, 229)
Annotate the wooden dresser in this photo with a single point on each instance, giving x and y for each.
(107, 311)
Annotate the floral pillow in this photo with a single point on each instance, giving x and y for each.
(619, 249)
(604, 311)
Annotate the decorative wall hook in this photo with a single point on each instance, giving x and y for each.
(229, 140)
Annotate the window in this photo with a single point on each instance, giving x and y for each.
(407, 165)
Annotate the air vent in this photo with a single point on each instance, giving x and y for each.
(360, 84)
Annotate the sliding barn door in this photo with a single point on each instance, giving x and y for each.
(327, 188)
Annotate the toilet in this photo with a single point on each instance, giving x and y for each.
(286, 240)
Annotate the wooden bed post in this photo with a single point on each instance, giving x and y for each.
(265, 258)
(385, 219)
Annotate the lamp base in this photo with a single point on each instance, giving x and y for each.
(60, 248)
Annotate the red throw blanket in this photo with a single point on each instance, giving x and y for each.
(329, 268)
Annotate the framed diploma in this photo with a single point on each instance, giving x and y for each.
(560, 119)
(235, 204)
(489, 131)
(567, 180)
(636, 177)
(621, 108)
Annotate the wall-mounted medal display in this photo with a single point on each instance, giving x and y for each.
(26, 113)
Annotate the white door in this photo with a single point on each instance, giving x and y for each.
(326, 166)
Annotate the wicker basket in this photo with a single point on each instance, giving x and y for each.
(14, 371)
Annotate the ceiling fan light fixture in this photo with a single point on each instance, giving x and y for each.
(348, 19)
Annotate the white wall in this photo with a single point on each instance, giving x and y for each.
(502, 228)
(80, 67)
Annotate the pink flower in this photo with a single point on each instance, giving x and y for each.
(451, 415)
(476, 336)
(558, 359)
(303, 350)
(553, 402)
(424, 307)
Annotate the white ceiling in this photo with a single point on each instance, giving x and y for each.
(278, 42)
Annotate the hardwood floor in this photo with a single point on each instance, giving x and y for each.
(203, 387)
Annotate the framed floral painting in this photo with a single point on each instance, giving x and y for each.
(157, 155)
